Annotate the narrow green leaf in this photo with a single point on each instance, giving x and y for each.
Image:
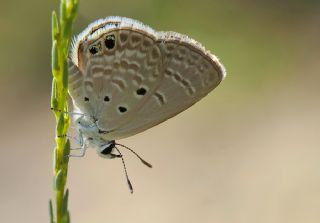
(68, 217)
(65, 203)
(63, 10)
(74, 9)
(51, 212)
(55, 26)
(55, 59)
(58, 180)
(65, 75)
(60, 124)
(66, 151)
(54, 102)
(67, 28)
(56, 165)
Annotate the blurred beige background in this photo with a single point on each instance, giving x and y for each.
(248, 152)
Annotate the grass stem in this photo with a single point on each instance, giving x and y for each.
(61, 38)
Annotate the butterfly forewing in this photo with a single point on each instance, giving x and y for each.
(142, 80)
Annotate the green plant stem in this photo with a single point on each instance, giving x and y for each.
(61, 36)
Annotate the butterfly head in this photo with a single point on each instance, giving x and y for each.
(106, 151)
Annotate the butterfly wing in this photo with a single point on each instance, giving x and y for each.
(113, 83)
(145, 79)
(188, 74)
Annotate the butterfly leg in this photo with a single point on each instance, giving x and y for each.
(70, 137)
(76, 148)
(81, 154)
(83, 147)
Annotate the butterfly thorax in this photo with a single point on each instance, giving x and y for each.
(91, 136)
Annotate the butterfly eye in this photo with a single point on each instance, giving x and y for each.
(107, 150)
(86, 99)
(110, 41)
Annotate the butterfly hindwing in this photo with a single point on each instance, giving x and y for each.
(188, 74)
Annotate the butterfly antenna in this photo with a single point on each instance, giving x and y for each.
(142, 160)
(125, 171)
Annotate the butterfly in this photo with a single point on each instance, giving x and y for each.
(125, 77)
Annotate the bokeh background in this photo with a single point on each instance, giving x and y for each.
(248, 152)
